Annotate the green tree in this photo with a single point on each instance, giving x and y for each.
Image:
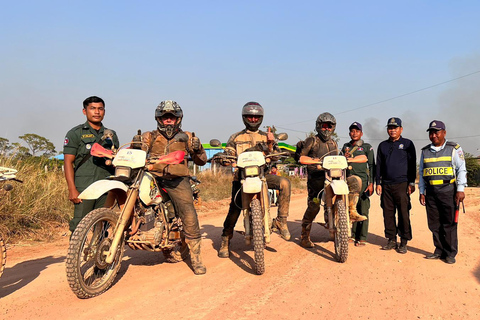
(20, 152)
(473, 166)
(5, 146)
(38, 143)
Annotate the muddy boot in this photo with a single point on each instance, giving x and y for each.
(352, 209)
(305, 238)
(195, 256)
(223, 252)
(281, 224)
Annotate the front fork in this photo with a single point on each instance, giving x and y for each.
(122, 222)
(331, 208)
(265, 205)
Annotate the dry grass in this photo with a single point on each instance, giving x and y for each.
(38, 209)
(35, 208)
(215, 187)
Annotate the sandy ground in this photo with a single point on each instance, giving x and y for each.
(297, 284)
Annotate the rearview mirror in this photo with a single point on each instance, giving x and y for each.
(282, 136)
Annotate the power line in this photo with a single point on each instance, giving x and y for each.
(390, 99)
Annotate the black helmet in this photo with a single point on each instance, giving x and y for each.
(252, 109)
(325, 117)
(173, 108)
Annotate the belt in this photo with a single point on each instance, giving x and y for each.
(437, 182)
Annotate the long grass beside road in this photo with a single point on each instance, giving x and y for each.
(38, 209)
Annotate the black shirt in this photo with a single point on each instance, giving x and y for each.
(396, 162)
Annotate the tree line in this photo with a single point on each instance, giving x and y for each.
(36, 146)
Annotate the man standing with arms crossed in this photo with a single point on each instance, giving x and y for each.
(395, 178)
(443, 178)
(81, 169)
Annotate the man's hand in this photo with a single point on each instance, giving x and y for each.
(422, 199)
(369, 189)
(379, 190)
(459, 197)
(73, 196)
(411, 189)
(196, 145)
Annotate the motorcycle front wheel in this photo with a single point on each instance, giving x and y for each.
(258, 236)
(3, 255)
(341, 231)
(88, 273)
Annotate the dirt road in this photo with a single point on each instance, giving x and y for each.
(297, 284)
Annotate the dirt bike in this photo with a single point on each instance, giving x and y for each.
(143, 218)
(6, 174)
(252, 166)
(335, 199)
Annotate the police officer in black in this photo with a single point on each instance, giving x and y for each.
(443, 178)
(395, 178)
(81, 169)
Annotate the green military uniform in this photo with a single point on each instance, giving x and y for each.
(366, 172)
(78, 142)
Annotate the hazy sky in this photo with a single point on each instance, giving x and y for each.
(297, 58)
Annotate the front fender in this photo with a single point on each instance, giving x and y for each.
(98, 188)
(252, 185)
(339, 187)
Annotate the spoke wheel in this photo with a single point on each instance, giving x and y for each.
(88, 273)
(3, 255)
(341, 231)
(258, 236)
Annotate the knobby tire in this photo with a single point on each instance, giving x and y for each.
(87, 272)
(341, 232)
(258, 236)
(3, 255)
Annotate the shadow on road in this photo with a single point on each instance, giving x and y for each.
(238, 249)
(23, 273)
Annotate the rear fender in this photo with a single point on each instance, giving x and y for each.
(98, 188)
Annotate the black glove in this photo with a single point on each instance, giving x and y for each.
(137, 141)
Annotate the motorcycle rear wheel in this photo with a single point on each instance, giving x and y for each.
(258, 236)
(341, 231)
(3, 255)
(87, 272)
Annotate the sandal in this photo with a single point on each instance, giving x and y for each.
(351, 240)
(360, 243)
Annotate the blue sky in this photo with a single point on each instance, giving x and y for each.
(297, 59)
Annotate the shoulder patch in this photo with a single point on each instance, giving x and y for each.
(65, 142)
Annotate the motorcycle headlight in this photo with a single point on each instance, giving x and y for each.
(252, 171)
(336, 173)
(123, 172)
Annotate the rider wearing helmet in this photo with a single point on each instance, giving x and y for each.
(251, 136)
(317, 147)
(174, 178)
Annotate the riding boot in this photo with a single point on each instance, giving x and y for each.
(352, 208)
(223, 252)
(195, 256)
(305, 237)
(281, 224)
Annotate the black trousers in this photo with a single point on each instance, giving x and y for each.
(395, 198)
(274, 182)
(440, 204)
